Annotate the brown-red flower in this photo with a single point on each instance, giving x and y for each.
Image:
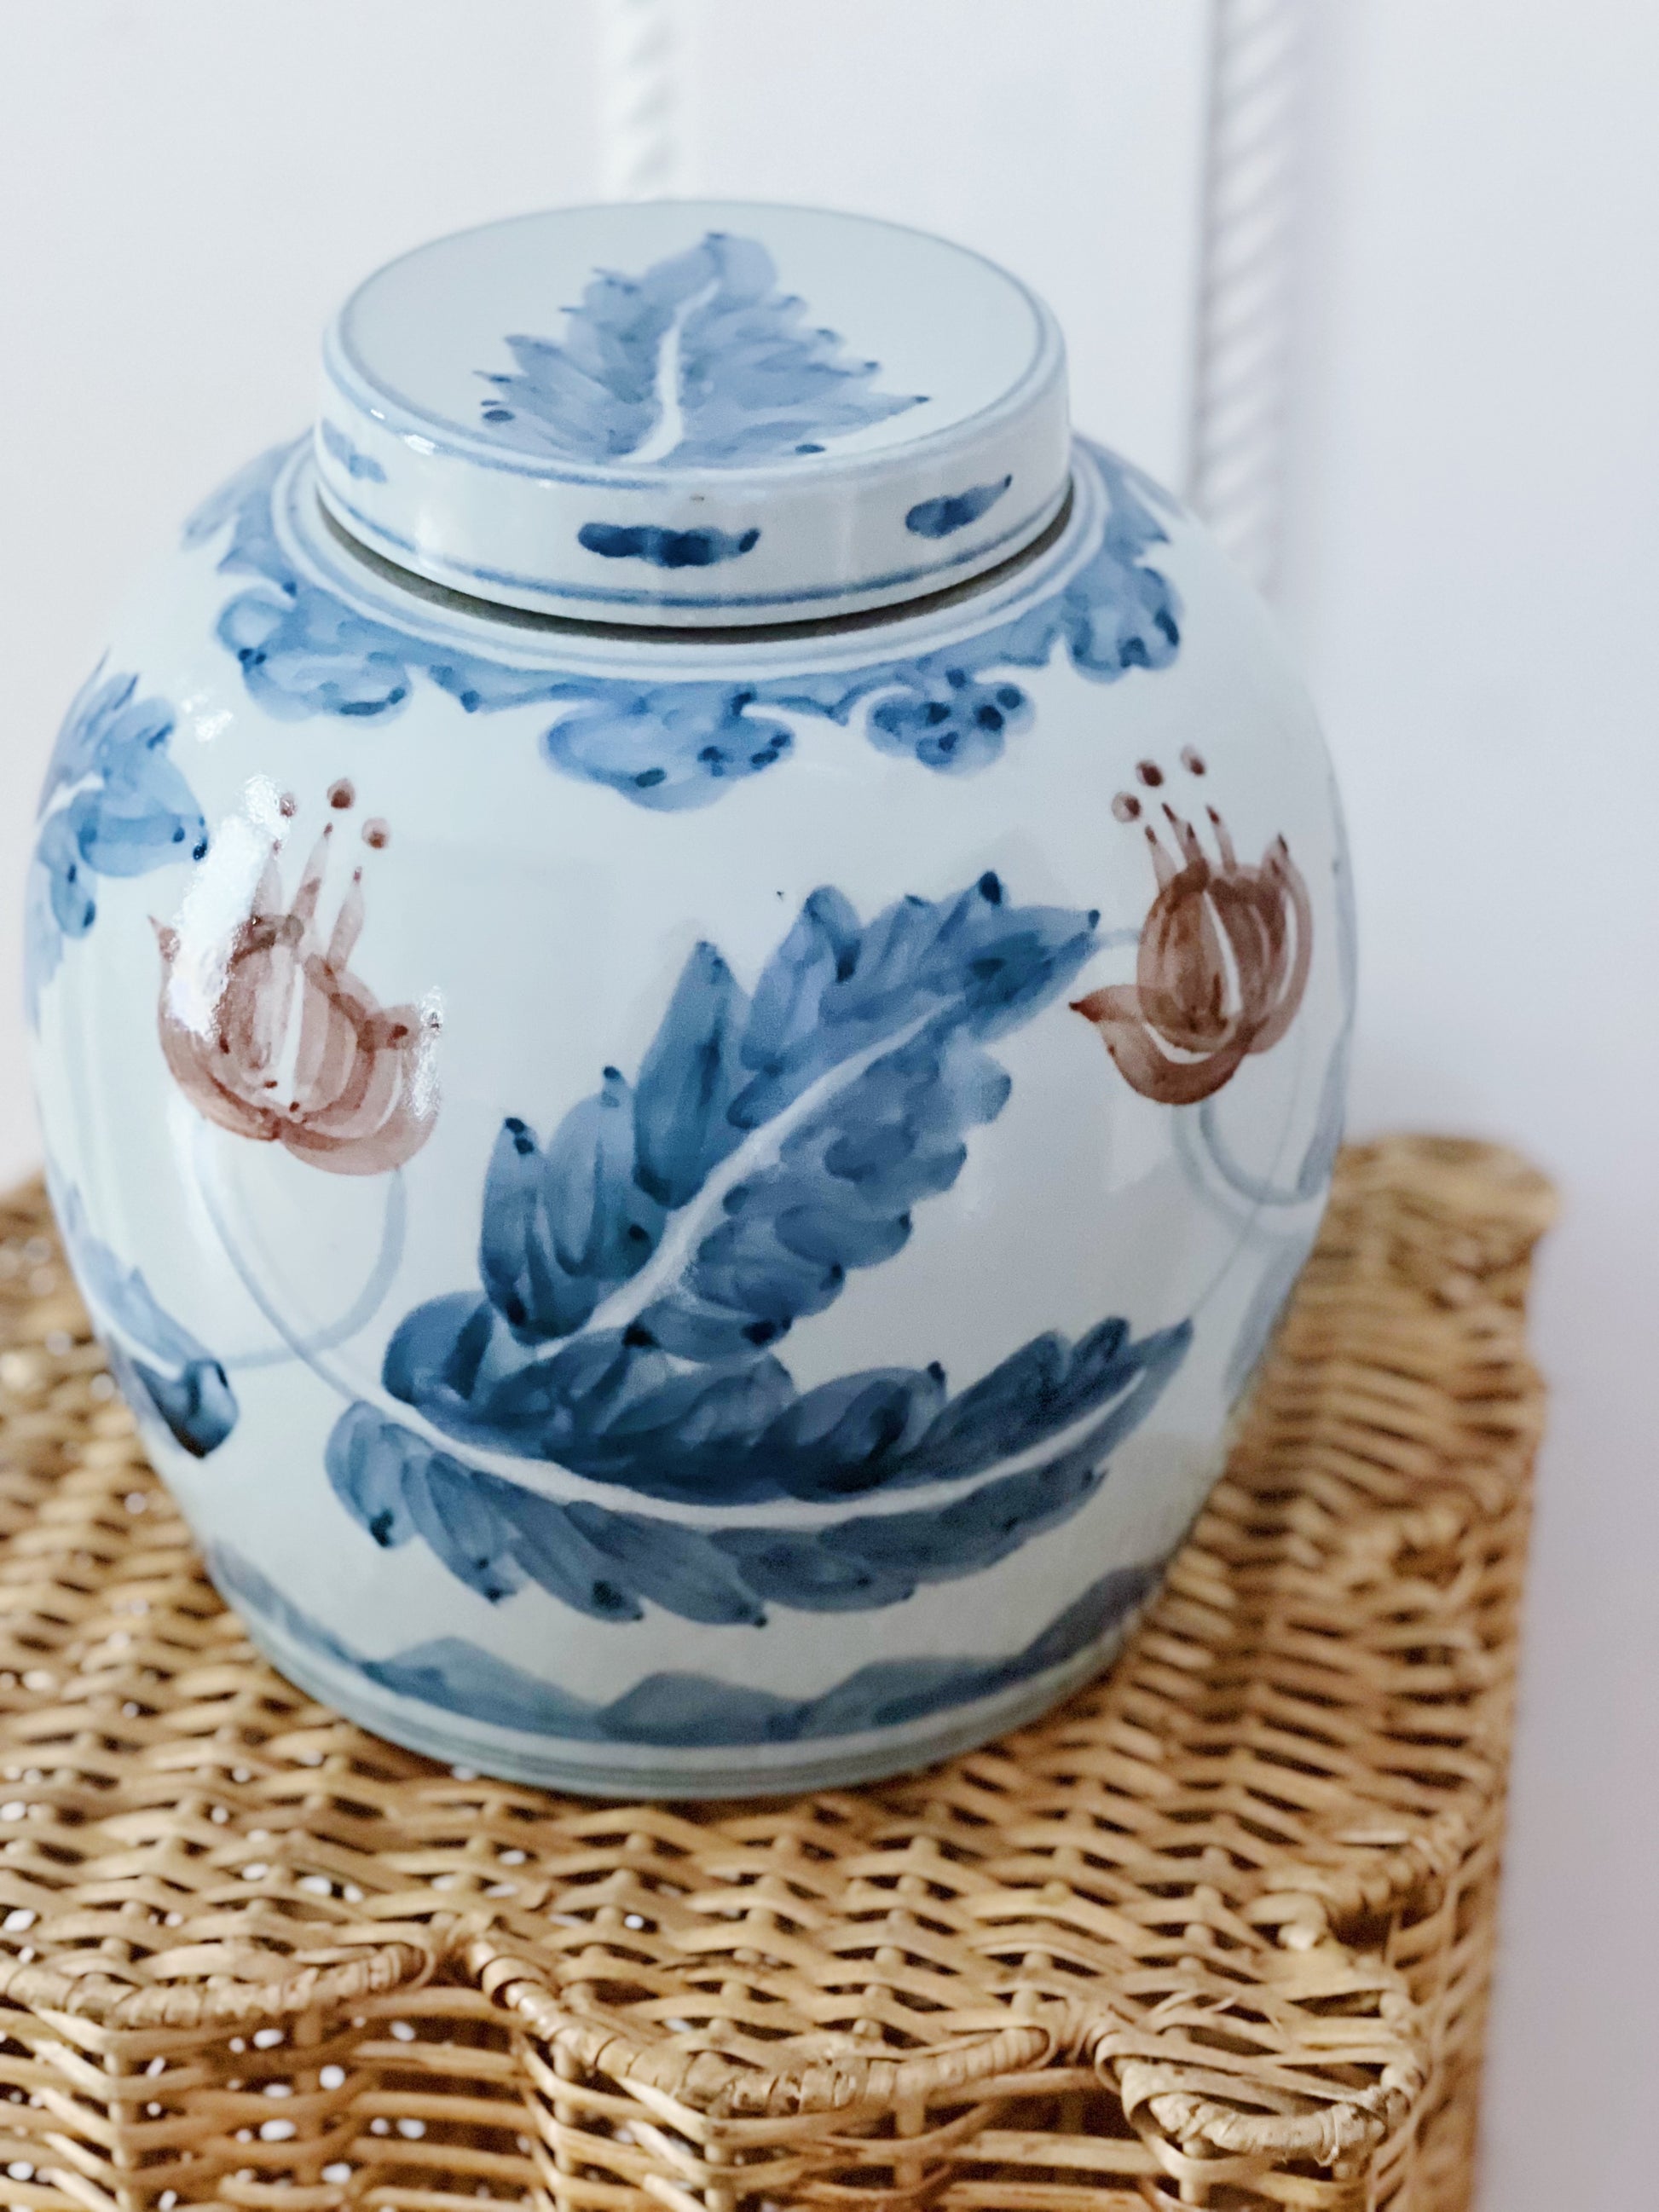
(295, 1050)
(1220, 971)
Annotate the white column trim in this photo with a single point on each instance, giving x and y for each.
(641, 121)
(1253, 161)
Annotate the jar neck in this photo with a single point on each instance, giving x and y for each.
(526, 619)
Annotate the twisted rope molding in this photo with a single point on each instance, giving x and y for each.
(1247, 286)
(639, 104)
(1253, 159)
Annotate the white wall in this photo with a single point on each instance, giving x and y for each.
(1474, 585)
(186, 188)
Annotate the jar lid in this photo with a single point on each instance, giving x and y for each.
(693, 412)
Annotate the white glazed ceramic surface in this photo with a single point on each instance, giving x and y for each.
(687, 1215)
(702, 411)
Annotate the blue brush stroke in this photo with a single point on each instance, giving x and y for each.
(355, 463)
(304, 651)
(685, 1711)
(665, 549)
(638, 1273)
(939, 518)
(751, 378)
(158, 1364)
(496, 1536)
(113, 804)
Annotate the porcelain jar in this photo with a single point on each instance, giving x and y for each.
(691, 982)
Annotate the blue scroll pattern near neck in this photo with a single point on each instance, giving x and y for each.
(639, 1272)
(699, 363)
(686, 1710)
(306, 651)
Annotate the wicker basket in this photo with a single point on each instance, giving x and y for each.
(1218, 1932)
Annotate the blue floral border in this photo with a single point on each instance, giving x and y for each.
(304, 651)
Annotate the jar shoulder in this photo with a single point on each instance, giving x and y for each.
(263, 629)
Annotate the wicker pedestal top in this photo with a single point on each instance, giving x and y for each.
(1218, 1932)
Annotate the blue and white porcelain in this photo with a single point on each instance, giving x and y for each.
(692, 982)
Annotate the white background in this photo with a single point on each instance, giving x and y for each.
(1472, 583)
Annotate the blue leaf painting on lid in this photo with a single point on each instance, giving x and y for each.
(701, 362)
(640, 1270)
(113, 804)
(159, 1365)
(304, 650)
(686, 1710)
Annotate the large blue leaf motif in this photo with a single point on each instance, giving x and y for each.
(113, 804)
(640, 1269)
(702, 361)
(639, 1272)
(156, 1359)
(304, 651)
(497, 1536)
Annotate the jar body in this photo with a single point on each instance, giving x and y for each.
(687, 1216)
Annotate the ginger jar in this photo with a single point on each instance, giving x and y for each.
(691, 980)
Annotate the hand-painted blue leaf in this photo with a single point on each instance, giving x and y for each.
(820, 951)
(595, 397)
(113, 804)
(454, 1515)
(306, 653)
(738, 1435)
(68, 877)
(561, 1231)
(159, 1365)
(688, 1081)
(775, 1146)
(665, 745)
(950, 722)
(796, 1568)
(846, 1437)
(197, 1405)
(603, 1226)
(1038, 1390)
(954, 511)
(101, 702)
(490, 1534)
(367, 1461)
(665, 549)
(682, 1709)
(678, 1569)
(701, 361)
(546, 1543)
(140, 815)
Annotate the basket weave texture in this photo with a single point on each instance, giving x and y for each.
(1218, 1932)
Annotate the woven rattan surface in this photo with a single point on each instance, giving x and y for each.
(1218, 1932)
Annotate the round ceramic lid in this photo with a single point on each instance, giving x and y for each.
(693, 412)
